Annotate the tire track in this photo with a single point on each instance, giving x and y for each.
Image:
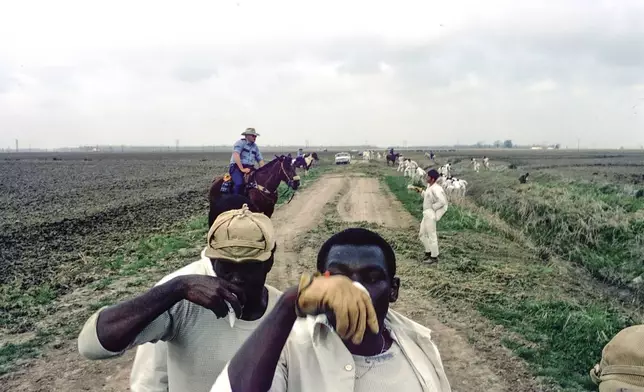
(294, 220)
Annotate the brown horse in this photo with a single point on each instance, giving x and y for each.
(263, 183)
(392, 158)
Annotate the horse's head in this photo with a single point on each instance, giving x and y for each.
(315, 156)
(287, 171)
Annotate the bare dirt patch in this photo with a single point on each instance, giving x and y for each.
(367, 201)
(295, 219)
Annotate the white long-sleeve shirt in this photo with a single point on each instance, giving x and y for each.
(434, 199)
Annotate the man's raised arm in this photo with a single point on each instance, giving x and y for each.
(253, 366)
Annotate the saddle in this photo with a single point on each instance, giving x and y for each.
(249, 181)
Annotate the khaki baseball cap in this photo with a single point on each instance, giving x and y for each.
(622, 365)
(241, 236)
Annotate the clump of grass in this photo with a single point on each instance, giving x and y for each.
(593, 225)
(11, 352)
(561, 335)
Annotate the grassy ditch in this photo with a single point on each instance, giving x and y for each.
(554, 320)
(596, 226)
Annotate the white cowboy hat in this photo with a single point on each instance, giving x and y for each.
(250, 131)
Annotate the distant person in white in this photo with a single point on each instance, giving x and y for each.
(434, 207)
(327, 334)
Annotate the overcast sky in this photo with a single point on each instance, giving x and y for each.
(330, 72)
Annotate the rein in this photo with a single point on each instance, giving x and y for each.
(266, 192)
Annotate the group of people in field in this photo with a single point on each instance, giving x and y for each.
(215, 325)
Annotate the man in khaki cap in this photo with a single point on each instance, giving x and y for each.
(150, 367)
(622, 365)
(188, 311)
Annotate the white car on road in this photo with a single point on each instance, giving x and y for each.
(343, 158)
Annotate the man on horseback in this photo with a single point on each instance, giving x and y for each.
(245, 154)
(300, 153)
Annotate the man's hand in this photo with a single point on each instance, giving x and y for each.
(245, 170)
(210, 292)
(352, 307)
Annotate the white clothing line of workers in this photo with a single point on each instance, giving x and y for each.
(215, 325)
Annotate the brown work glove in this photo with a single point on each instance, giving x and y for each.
(352, 307)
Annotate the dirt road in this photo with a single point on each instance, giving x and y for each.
(358, 199)
(365, 201)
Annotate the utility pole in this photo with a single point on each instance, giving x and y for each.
(16, 145)
(577, 144)
(177, 145)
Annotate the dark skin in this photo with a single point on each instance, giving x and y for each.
(241, 284)
(253, 366)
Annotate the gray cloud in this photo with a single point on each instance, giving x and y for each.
(193, 74)
(549, 76)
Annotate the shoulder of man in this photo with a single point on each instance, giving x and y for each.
(398, 322)
(198, 267)
(240, 142)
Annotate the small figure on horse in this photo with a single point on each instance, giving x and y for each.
(299, 160)
(304, 160)
(392, 157)
(259, 185)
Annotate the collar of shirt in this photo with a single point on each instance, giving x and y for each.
(414, 341)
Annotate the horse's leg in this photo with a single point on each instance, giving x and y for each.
(261, 202)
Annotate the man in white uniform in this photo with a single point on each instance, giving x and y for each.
(335, 331)
(189, 310)
(434, 207)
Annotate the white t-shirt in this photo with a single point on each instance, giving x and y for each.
(198, 343)
(386, 372)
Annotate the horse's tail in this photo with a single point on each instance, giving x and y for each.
(214, 192)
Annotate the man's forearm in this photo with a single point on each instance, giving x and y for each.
(253, 366)
(118, 325)
(237, 159)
